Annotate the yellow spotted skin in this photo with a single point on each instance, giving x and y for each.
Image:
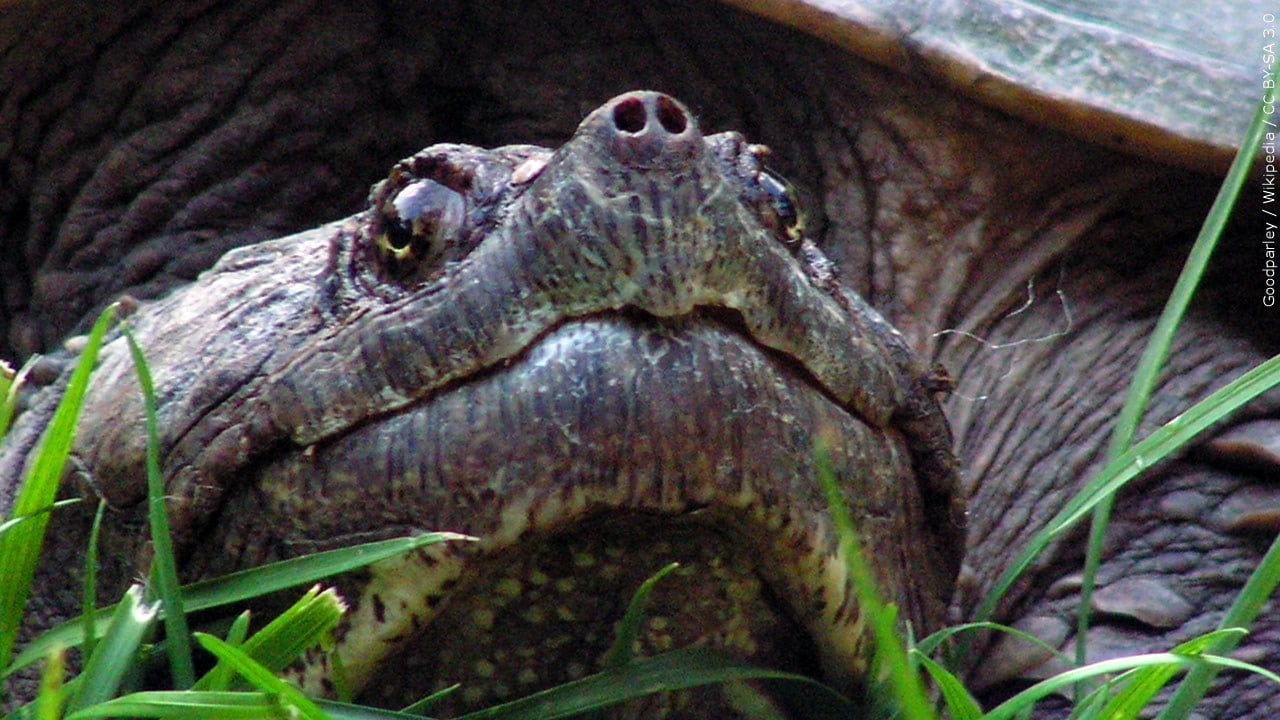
(548, 613)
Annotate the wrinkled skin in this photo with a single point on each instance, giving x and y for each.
(1030, 264)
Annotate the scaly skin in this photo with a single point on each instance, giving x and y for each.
(139, 142)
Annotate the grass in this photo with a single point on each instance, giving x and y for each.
(21, 543)
(243, 683)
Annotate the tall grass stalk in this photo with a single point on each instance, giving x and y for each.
(164, 567)
(9, 384)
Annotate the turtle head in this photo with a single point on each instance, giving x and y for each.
(598, 360)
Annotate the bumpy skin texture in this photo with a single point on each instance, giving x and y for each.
(124, 174)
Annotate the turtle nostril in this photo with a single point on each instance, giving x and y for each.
(630, 116)
(644, 128)
(671, 115)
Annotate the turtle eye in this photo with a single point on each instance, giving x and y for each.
(420, 220)
(781, 197)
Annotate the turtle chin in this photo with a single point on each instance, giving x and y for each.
(611, 447)
(548, 611)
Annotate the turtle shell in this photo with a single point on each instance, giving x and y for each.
(1175, 80)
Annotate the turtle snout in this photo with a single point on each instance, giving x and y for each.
(649, 128)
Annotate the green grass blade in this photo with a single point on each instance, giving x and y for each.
(89, 595)
(164, 567)
(1171, 437)
(429, 701)
(248, 584)
(52, 693)
(304, 625)
(20, 547)
(342, 685)
(935, 641)
(675, 670)
(17, 520)
(629, 628)
(752, 702)
(9, 384)
(115, 654)
(1089, 707)
(1139, 688)
(957, 697)
(289, 697)
(187, 705)
(1256, 593)
(347, 711)
(219, 678)
(285, 574)
(1024, 700)
(1157, 349)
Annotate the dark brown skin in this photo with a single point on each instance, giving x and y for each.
(939, 213)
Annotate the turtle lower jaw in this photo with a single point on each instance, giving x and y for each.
(685, 424)
(547, 611)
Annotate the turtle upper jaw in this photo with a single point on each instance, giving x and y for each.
(571, 361)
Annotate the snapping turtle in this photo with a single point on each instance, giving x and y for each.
(625, 348)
